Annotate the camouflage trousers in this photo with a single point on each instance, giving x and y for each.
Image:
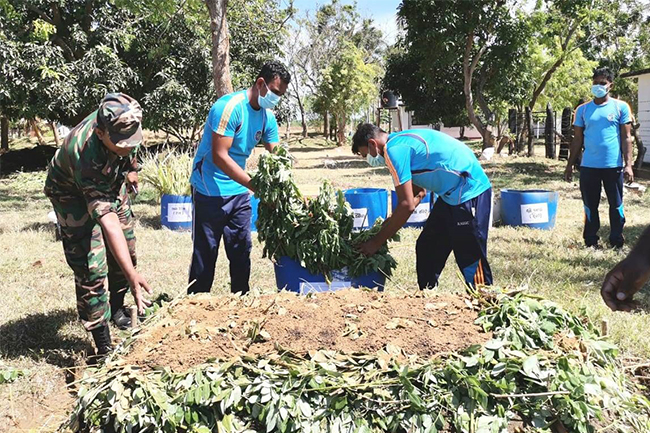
(92, 262)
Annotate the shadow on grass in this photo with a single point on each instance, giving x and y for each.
(306, 148)
(30, 159)
(40, 227)
(150, 221)
(522, 173)
(17, 199)
(330, 163)
(38, 336)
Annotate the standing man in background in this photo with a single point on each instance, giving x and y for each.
(236, 123)
(603, 127)
(87, 185)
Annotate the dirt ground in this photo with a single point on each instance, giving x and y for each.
(40, 406)
(204, 328)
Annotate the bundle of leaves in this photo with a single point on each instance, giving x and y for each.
(544, 370)
(318, 233)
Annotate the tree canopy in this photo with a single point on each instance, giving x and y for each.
(458, 61)
(60, 58)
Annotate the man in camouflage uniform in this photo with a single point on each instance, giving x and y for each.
(86, 185)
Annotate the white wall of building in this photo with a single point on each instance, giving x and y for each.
(407, 123)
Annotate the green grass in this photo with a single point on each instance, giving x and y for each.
(39, 331)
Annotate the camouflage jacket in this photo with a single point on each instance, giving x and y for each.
(84, 168)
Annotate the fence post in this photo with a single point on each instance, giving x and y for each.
(567, 133)
(4, 134)
(549, 132)
(529, 127)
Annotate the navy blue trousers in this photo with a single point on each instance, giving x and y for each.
(592, 180)
(213, 218)
(462, 229)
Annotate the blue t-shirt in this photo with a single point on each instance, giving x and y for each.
(231, 116)
(602, 132)
(437, 162)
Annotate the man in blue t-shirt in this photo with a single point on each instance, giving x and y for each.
(236, 123)
(424, 159)
(603, 127)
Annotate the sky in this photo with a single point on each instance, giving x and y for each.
(383, 12)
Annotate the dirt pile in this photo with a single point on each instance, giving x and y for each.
(203, 328)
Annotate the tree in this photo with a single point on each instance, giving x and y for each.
(60, 58)
(316, 42)
(348, 85)
(474, 44)
(578, 31)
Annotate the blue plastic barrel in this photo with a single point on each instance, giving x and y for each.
(421, 213)
(254, 203)
(176, 212)
(289, 275)
(368, 204)
(534, 208)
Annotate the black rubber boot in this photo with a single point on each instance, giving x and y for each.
(122, 319)
(119, 314)
(102, 337)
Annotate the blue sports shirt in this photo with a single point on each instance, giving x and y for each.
(602, 132)
(231, 116)
(437, 162)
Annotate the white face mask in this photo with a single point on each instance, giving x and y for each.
(375, 161)
(270, 100)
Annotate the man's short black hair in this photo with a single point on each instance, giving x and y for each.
(365, 132)
(272, 70)
(604, 72)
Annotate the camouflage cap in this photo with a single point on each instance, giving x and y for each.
(121, 116)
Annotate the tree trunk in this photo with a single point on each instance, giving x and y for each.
(340, 130)
(220, 46)
(303, 121)
(468, 71)
(461, 132)
(55, 132)
(639, 145)
(326, 125)
(39, 136)
(4, 133)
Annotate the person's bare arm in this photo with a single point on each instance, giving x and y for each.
(574, 151)
(220, 147)
(112, 230)
(626, 146)
(405, 207)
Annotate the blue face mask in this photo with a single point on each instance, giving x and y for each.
(599, 91)
(270, 100)
(375, 161)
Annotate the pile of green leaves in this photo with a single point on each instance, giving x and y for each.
(520, 375)
(317, 232)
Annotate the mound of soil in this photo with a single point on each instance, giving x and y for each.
(204, 328)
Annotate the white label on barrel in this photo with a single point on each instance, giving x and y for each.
(420, 214)
(360, 217)
(179, 212)
(534, 213)
(306, 287)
